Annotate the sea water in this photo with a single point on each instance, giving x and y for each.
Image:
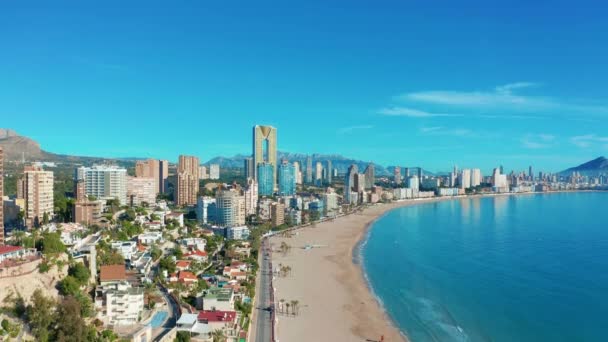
(504, 268)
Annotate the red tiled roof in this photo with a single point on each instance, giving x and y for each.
(183, 275)
(112, 273)
(216, 316)
(196, 253)
(9, 249)
(183, 263)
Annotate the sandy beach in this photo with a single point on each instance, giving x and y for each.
(335, 303)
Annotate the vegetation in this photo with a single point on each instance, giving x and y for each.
(80, 273)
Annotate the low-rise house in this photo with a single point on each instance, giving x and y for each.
(126, 248)
(226, 321)
(15, 253)
(197, 255)
(185, 277)
(216, 298)
(237, 233)
(149, 238)
(193, 243)
(153, 225)
(182, 265)
(177, 217)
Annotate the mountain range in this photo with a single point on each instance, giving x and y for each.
(590, 168)
(17, 147)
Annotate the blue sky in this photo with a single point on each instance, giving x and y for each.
(473, 83)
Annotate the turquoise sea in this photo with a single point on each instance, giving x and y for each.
(506, 268)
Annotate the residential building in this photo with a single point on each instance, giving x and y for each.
(413, 183)
(216, 298)
(104, 182)
(266, 176)
(12, 208)
(87, 212)
(8, 252)
(370, 176)
(499, 180)
(360, 182)
(287, 179)
(297, 172)
(330, 198)
(475, 177)
(308, 169)
(230, 208)
(119, 303)
(202, 172)
(251, 197)
(214, 171)
(125, 248)
(36, 188)
(187, 187)
(149, 238)
(349, 184)
(237, 233)
(329, 171)
(156, 169)
(318, 175)
(265, 151)
(141, 190)
(430, 183)
(464, 179)
(316, 209)
(397, 175)
(206, 210)
(277, 214)
(264, 208)
(295, 216)
(249, 168)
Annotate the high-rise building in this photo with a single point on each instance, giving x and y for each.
(277, 214)
(251, 197)
(397, 174)
(206, 210)
(231, 210)
(530, 173)
(214, 171)
(420, 173)
(36, 187)
(330, 198)
(1, 196)
(287, 179)
(104, 182)
(360, 182)
(370, 176)
(141, 190)
(318, 174)
(202, 172)
(464, 179)
(265, 179)
(475, 177)
(413, 183)
(156, 169)
(298, 172)
(187, 187)
(349, 184)
(407, 172)
(308, 169)
(329, 172)
(249, 168)
(265, 150)
(499, 180)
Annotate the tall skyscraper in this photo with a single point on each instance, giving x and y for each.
(230, 206)
(187, 181)
(1, 195)
(249, 168)
(265, 179)
(475, 177)
(298, 171)
(413, 183)
(163, 175)
(152, 168)
(36, 187)
(251, 197)
(202, 172)
(104, 182)
(397, 174)
(464, 180)
(287, 179)
(318, 174)
(308, 169)
(214, 171)
(530, 173)
(407, 172)
(265, 149)
(420, 174)
(349, 183)
(329, 172)
(370, 176)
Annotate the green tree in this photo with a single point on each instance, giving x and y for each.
(69, 286)
(182, 336)
(45, 218)
(80, 272)
(69, 325)
(167, 264)
(39, 315)
(155, 252)
(50, 244)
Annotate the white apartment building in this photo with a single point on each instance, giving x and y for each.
(251, 197)
(126, 248)
(230, 208)
(141, 190)
(413, 183)
(237, 233)
(121, 303)
(475, 177)
(214, 171)
(205, 209)
(104, 182)
(331, 203)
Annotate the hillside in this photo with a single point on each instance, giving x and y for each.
(590, 168)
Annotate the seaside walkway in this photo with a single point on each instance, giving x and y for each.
(264, 305)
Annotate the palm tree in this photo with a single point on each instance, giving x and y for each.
(287, 305)
(282, 301)
(294, 307)
(218, 336)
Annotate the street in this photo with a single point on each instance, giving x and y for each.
(264, 305)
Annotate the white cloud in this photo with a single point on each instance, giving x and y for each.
(349, 129)
(409, 112)
(444, 131)
(588, 140)
(538, 141)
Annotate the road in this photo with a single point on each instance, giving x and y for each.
(264, 305)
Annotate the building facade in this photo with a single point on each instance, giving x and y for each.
(187, 187)
(265, 179)
(287, 179)
(2, 196)
(104, 182)
(265, 149)
(36, 188)
(214, 171)
(141, 190)
(230, 208)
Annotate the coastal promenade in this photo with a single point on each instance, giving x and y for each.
(262, 329)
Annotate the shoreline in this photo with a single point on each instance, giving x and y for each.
(348, 294)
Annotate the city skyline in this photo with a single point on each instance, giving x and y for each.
(502, 95)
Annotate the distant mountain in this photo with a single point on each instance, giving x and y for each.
(590, 168)
(17, 147)
(337, 161)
